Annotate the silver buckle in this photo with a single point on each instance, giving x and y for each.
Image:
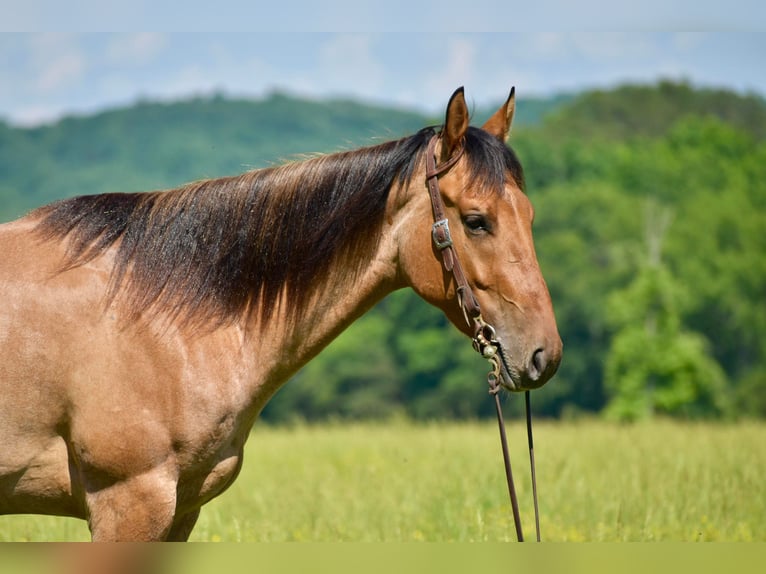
(441, 224)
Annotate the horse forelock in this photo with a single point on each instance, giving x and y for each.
(491, 162)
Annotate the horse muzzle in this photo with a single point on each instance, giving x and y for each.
(535, 371)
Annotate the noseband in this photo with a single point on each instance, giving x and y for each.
(484, 340)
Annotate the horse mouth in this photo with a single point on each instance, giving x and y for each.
(504, 372)
(494, 351)
(510, 378)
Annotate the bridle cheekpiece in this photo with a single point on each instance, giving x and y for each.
(484, 340)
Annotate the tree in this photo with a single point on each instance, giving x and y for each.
(655, 365)
(355, 377)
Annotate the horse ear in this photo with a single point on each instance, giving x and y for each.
(456, 122)
(499, 125)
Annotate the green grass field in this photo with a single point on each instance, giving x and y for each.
(444, 482)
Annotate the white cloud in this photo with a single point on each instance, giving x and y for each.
(34, 115)
(616, 46)
(456, 69)
(346, 62)
(61, 71)
(56, 61)
(544, 44)
(190, 79)
(589, 46)
(135, 48)
(688, 41)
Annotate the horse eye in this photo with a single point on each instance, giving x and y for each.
(476, 224)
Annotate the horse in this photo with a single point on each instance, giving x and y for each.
(141, 334)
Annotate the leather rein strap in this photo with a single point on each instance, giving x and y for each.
(484, 334)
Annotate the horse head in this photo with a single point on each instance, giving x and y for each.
(477, 262)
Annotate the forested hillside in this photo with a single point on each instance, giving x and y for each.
(651, 210)
(158, 145)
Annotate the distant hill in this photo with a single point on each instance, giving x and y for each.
(650, 110)
(153, 145)
(157, 145)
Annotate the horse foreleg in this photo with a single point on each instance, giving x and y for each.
(139, 508)
(182, 527)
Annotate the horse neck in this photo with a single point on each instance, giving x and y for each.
(335, 304)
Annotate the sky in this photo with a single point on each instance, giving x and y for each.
(45, 75)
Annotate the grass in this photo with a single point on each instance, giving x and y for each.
(597, 481)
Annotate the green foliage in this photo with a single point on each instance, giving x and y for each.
(649, 110)
(356, 377)
(589, 188)
(591, 162)
(157, 145)
(654, 365)
(402, 358)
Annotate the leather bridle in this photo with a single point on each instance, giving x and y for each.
(483, 333)
(484, 341)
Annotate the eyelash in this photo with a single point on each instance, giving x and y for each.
(477, 224)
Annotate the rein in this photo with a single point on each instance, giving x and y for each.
(484, 341)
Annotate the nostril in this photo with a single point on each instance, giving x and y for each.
(537, 364)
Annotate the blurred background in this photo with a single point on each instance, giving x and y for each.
(644, 154)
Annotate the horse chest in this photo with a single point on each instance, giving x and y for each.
(220, 476)
(205, 476)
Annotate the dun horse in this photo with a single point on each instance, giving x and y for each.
(141, 334)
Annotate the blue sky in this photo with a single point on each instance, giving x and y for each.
(44, 75)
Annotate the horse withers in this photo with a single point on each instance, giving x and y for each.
(141, 334)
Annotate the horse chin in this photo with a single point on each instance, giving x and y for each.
(510, 379)
(508, 383)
